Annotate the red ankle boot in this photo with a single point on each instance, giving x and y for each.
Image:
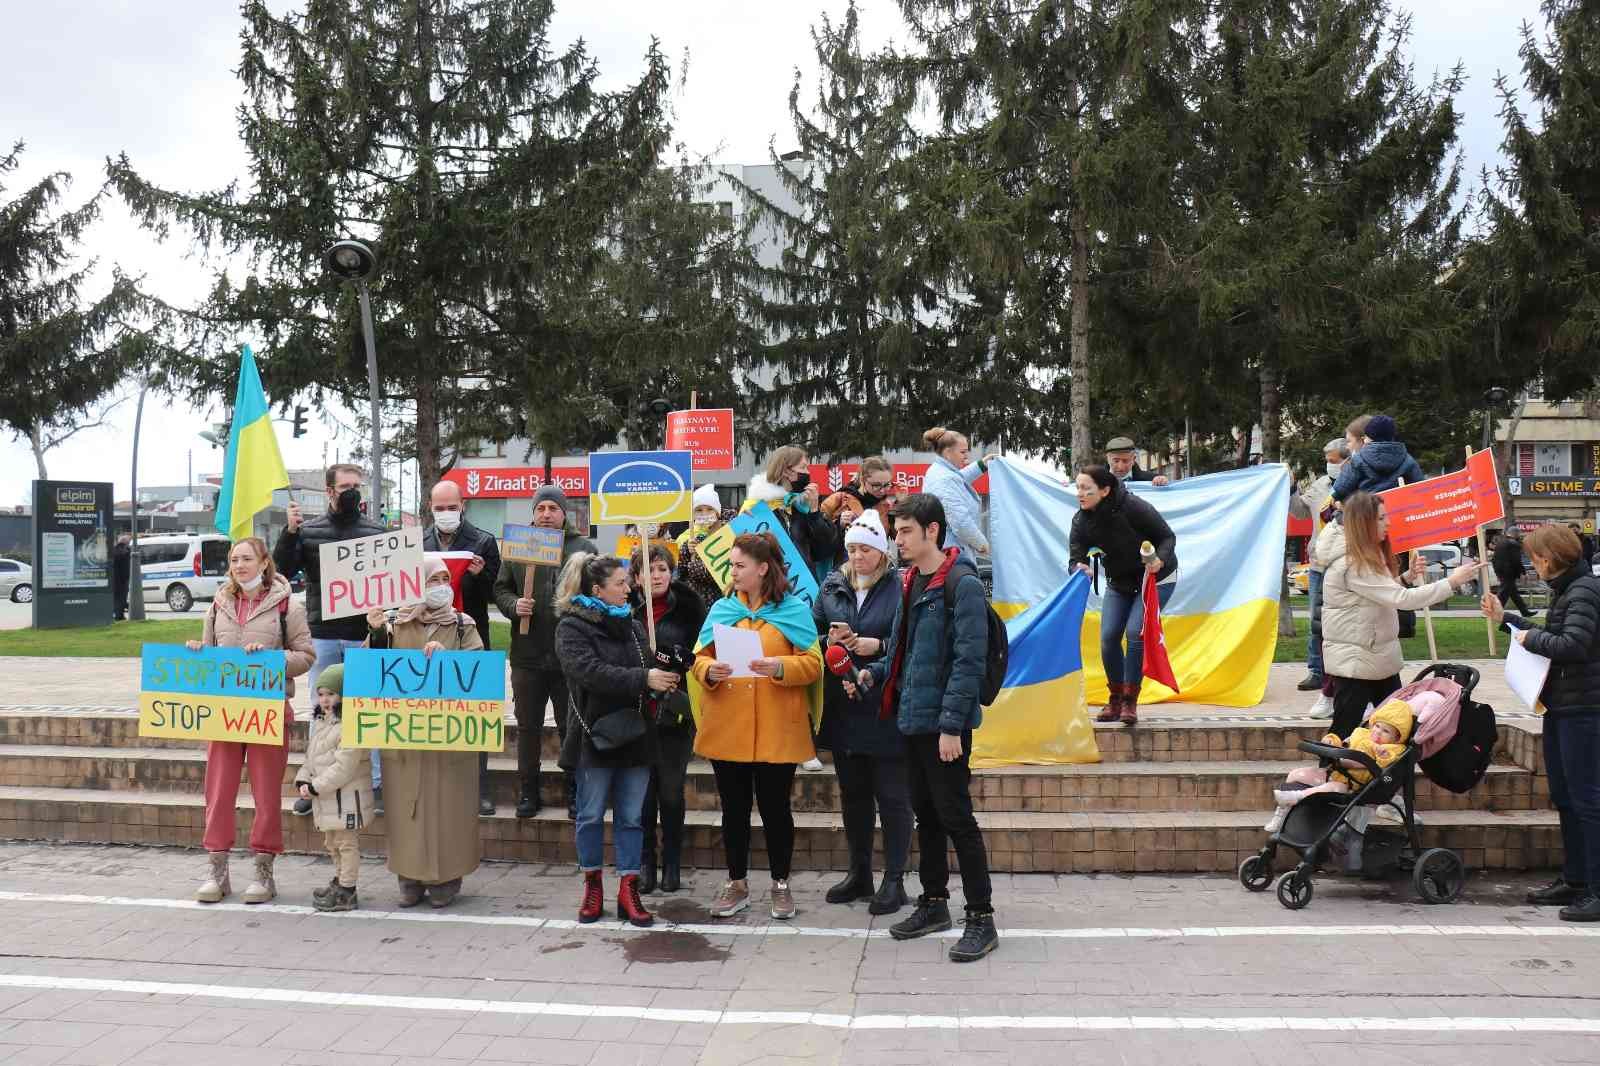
(629, 907)
(594, 895)
(1113, 708)
(1130, 704)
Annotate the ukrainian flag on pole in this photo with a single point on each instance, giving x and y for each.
(254, 467)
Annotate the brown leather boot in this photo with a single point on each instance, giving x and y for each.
(1113, 708)
(1130, 704)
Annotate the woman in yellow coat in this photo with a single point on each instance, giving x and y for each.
(756, 729)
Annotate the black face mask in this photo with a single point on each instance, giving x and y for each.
(800, 482)
(348, 504)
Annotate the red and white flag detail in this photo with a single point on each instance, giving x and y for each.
(1157, 667)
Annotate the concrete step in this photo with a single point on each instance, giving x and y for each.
(1132, 786)
(1096, 842)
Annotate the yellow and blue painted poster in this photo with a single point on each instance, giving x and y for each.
(447, 701)
(642, 487)
(211, 694)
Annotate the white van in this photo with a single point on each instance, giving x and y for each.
(179, 568)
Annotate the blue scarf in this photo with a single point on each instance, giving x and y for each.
(602, 606)
(790, 616)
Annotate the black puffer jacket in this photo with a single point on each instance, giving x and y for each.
(854, 726)
(302, 551)
(1570, 639)
(1117, 526)
(679, 627)
(604, 658)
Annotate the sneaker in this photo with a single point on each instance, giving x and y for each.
(1275, 823)
(1323, 708)
(929, 916)
(977, 939)
(1559, 892)
(734, 897)
(812, 765)
(1309, 683)
(1586, 909)
(782, 901)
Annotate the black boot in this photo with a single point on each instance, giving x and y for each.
(485, 799)
(671, 851)
(930, 916)
(977, 939)
(891, 895)
(571, 786)
(528, 801)
(857, 884)
(647, 868)
(1559, 892)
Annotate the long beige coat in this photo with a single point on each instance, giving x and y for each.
(266, 624)
(430, 798)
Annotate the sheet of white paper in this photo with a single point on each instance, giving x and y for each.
(736, 647)
(1525, 673)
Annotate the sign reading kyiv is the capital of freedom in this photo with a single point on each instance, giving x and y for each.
(211, 694)
(447, 701)
(381, 571)
(640, 487)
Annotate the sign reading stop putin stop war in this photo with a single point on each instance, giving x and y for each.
(447, 701)
(1444, 508)
(380, 571)
(211, 694)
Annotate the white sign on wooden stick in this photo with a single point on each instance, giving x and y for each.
(381, 571)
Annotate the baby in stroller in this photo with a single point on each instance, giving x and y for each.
(1384, 738)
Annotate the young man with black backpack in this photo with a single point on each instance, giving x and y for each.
(933, 675)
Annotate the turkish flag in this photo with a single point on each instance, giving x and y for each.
(1157, 667)
(458, 563)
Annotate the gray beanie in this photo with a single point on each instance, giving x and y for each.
(551, 492)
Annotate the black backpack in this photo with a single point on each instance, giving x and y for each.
(998, 648)
(1462, 762)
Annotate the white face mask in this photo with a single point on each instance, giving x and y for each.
(251, 585)
(1334, 468)
(447, 521)
(439, 595)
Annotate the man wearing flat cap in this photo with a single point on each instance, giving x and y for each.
(1121, 459)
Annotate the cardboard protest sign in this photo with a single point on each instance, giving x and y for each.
(380, 571)
(447, 701)
(211, 694)
(533, 545)
(706, 433)
(640, 487)
(1444, 508)
(714, 551)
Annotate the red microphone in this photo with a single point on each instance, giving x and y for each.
(838, 661)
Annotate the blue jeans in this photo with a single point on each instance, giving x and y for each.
(330, 652)
(1314, 637)
(622, 789)
(1121, 614)
(1572, 759)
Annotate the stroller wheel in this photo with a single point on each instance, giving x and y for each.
(1294, 888)
(1439, 876)
(1255, 873)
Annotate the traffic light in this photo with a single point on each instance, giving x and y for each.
(299, 422)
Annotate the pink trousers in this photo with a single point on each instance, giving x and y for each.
(224, 761)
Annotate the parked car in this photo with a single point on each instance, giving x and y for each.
(179, 568)
(1300, 579)
(16, 581)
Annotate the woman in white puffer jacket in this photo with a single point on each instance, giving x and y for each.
(1361, 593)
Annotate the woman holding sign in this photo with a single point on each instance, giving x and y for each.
(254, 610)
(612, 740)
(432, 796)
(757, 699)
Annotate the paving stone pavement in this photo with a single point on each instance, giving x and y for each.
(104, 962)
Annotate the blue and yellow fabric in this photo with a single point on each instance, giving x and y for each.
(1041, 715)
(253, 468)
(1221, 623)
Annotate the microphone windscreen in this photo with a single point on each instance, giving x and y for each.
(838, 659)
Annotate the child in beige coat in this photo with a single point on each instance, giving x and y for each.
(338, 781)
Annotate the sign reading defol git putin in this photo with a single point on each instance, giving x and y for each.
(371, 573)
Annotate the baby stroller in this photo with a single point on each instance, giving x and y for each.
(1453, 748)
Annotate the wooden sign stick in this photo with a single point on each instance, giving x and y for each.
(527, 594)
(649, 533)
(1427, 619)
(1483, 582)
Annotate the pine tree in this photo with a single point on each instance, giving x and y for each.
(485, 168)
(59, 355)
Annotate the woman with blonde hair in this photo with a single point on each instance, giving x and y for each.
(255, 611)
(785, 486)
(1361, 593)
(950, 478)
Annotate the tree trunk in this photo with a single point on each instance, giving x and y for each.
(429, 464)
(1271, 413)
(37, 443)
(1082, 440)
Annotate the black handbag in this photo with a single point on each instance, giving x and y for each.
(612, 731)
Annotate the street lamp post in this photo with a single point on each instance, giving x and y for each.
(135, 569)
(353, 261)
(1492, 397)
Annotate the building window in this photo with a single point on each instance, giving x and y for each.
(484, 450)
(1552, 460)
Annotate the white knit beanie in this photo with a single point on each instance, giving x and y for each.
(706, 496)
(867, 529)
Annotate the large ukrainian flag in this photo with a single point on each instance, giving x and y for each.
(254, 467)
(1040, 715)
(1221, 623)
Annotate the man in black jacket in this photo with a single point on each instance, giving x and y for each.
(121, 570)
(536, 677)
(1507, 559)
(299, 550)
(451, 532)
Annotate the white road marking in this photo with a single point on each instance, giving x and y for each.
(779, 929)
(1128, 1022)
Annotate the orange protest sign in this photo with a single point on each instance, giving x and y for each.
(706, 433)
(1444, 508)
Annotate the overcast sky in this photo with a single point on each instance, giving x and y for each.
(83, 79)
